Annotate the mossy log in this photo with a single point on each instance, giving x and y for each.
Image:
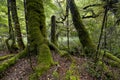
(17, 25)
(5, 64)
(6, 56)
(88, 46)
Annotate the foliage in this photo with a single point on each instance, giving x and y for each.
(92, 25)
(72, 73)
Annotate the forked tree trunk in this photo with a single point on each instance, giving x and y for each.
(11, 31)
(37, 36)
(88, 46)
(17, 25)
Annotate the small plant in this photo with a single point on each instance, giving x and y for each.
(72, 73)
(56, 75)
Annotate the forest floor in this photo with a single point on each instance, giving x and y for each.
(66, 69)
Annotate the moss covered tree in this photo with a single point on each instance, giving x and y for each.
(11, 31)
(37, 35)
(17, 25)
(88, 46)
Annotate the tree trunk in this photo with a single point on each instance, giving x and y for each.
(37, 36)
(84, 37)
(11, 31)
(88, 46)
(53, 30)
(17, 25)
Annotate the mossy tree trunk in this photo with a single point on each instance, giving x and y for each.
(82, 32)
(53, 30)
(11, 31)
(37, 35)
(88, 46)
(17, 25)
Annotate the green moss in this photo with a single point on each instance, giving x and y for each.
(56, 75)
(44, 61)
(112, 57)
(72, 73)
(6, 56)
(114, 63)
(5, 64)
(33, 76)
(88, 46)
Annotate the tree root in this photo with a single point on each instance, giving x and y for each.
(4, 65)
(6, 56)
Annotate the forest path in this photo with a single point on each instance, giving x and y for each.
(64, 70)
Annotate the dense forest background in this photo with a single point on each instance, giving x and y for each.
(60, 39)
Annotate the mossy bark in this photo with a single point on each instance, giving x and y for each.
(82, 32)
(11, 31)
(88, 46)
(37, 36)
(17, 25)
(5, 57)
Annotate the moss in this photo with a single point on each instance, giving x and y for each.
(72, 73)
(113, 63)
(7, 63)
(88, 46)
(4, 65)
(17, 25)
(112, 57)
(33, 76)
(6, 56)
(44, 61)
(54, 47)
(100, 70)
(56, 75)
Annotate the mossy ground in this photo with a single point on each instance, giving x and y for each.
(64, 69)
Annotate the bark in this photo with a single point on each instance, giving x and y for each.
(37, 36)
(11, 31)
(53, 30)
(88, 46)
(17, 25)
(67, 24)
(84, 37)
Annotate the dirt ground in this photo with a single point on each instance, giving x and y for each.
(22, 69)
